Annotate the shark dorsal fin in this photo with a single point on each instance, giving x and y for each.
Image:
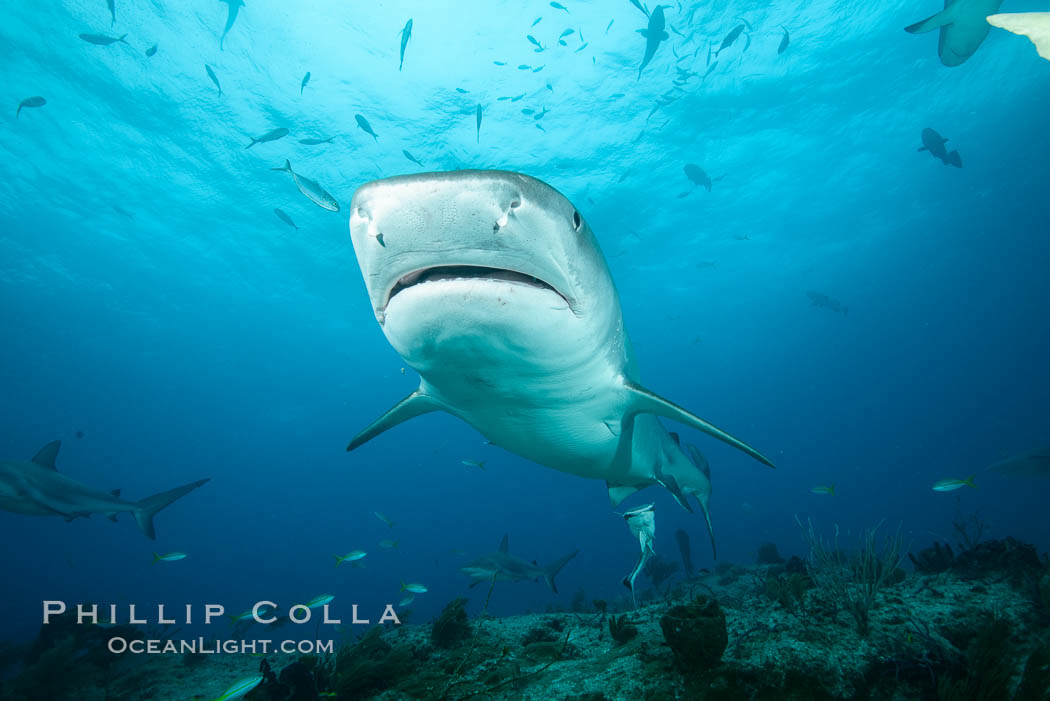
(503, 546)
(46, 456)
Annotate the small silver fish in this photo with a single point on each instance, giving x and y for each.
(351, 556)
(170, 557)
(950, 485)
(302, 85)
(151, 51)
(479, 123)
(35, 101)
(414, 587)
(363, 124)
(101, 39)
(384, 519)
(314, 192)
(825, 490)
(214, 79)
(474, 463)
(285, 218)
(315, 142)
(272, 135)
(406, 34)
(412, 158)
(112, 11)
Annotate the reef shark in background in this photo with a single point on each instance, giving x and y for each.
(963, 27)
(492, 287)
(653, 34)
(508, 568)
(231, 17)
(36, 488)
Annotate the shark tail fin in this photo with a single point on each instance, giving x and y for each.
(554, 568)
(123, 38)
(254, 141)
(941, 19)
(954, 159)
(146, 509)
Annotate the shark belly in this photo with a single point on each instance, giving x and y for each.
(544, 391)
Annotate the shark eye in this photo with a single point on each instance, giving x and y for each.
(576, 221)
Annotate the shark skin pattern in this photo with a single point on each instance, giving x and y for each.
(492, 287)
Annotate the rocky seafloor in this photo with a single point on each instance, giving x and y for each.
(950, 627)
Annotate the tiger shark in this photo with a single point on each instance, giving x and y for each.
(963, 27)
(36, 488)
(492, 287)
(505, 567)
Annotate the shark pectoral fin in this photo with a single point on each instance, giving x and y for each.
(619, 492)
(643, 32)
(46, 455)
(644, 401)
(410, 407)
(941, 19)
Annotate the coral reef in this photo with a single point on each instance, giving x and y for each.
(934, 559)
(1010, 558)
(696, 633)
(953, 635)
(450, 627)
(851, 581)
(768, 555)
(622, 629)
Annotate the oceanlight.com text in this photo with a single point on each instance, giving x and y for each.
(200, 646)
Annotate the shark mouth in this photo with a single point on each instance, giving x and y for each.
(440, 273)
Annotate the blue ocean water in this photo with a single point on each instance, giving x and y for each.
(153, 305)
